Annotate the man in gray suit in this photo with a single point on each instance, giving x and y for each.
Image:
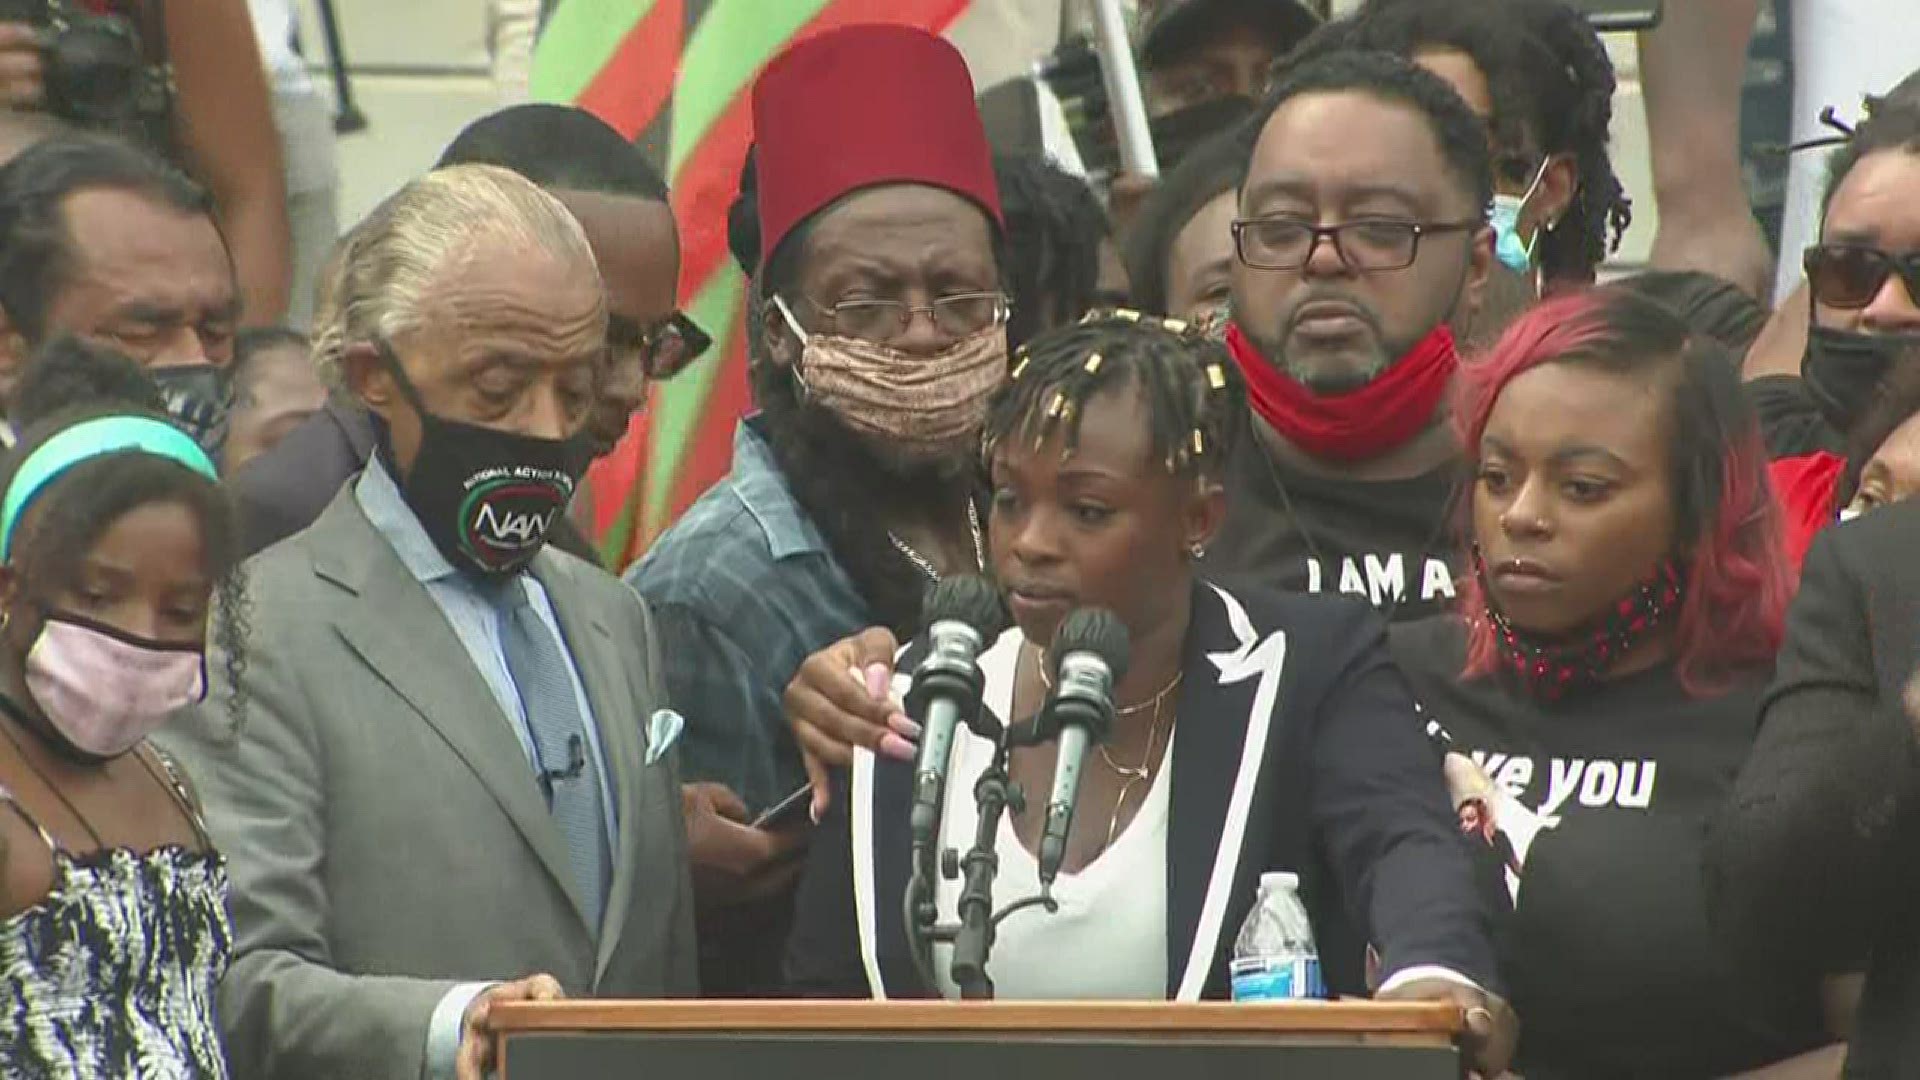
(454, 766)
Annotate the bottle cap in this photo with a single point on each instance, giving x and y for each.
(1283, 879)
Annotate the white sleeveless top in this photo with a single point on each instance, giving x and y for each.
(1108, 941)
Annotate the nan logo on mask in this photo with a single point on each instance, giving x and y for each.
(507, 511)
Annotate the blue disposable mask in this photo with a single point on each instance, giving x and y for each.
(1516, 253)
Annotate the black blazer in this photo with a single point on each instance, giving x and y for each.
(1814, 863)
(283, 490)
(1299, 749)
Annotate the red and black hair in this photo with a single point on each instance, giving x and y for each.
(1727, 538)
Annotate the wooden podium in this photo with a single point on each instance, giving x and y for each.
(935, 1040)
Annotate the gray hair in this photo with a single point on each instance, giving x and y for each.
(379, 281)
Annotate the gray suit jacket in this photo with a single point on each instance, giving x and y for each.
(385, 833)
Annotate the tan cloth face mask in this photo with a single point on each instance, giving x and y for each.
(928, 407)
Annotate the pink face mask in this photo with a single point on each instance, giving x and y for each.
(104, 691)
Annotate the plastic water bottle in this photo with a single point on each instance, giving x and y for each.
(1274, 958)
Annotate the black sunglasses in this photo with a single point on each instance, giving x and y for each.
(1850, 276)
(665, 348)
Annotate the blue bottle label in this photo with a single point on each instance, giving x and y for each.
(1258, 978)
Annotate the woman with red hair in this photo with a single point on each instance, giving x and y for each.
(1604, 671)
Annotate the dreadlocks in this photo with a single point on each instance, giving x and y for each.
(1552, 86)
(1195, 398)
(1054, 229)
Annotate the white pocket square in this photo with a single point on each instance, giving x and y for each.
(663, 730)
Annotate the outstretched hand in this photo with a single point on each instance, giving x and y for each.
(840, 699)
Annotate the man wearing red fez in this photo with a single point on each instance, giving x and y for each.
(879, 335)
(1362, 239)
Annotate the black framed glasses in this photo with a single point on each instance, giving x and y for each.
(664, 348)
(1851, 275)
(1286, 243)
(958, 315)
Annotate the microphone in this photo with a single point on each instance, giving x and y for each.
(1091, 650)
(576, 764)
(963, 614)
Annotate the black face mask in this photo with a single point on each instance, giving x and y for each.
(199, 398)
(1842, 370)
(487, 498)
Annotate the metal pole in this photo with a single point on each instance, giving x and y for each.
(1123, 89)
(347, 117)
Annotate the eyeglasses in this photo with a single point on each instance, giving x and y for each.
(884, 320)
(665, 348)
(1850, 276)
(1284, 243)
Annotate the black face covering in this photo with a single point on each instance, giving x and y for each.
(198, 397)
(1842, 370)
(486, 498)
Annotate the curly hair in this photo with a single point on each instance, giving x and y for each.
(1727, 533)
(1461, 135)
(1552, 85)
(1054, 230)
(70, 514)
(1893, 123)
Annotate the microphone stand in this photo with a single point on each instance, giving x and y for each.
(972, 937)
(993, 793)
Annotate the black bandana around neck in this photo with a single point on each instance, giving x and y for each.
(486, 498)
(1552, 669)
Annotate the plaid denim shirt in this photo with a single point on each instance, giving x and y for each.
(743, 589)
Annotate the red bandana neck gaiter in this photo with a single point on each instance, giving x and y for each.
(1552, 670)
(1360, 424)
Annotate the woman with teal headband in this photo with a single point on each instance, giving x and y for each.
(116, 542)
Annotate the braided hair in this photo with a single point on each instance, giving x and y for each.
(1195, 397)
(1054, 230)
(1552, 85)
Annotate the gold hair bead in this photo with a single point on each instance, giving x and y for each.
(1059, 402)
(1178, 326)
(1093, 363)
(1127, 314)
(1199, 442)
(1216, 377)
(1020, 364)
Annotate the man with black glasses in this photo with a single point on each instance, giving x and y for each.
(1362, 238)
(879, 332)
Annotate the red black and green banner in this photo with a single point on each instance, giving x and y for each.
(678, 75)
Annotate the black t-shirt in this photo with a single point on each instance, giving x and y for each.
(1599, 805)
(1389, 541)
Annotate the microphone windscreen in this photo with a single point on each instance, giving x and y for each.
(1097, 631)
(969, 599)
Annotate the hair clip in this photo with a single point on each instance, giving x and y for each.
(1126, 315)
(1019, 364)
(1177, 326)
(1055, 406)
(1216, 377)
(1093, 363)
(1199, 442)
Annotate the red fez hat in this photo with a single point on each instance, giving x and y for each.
(860, 106)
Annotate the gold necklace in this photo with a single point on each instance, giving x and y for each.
(925, 565)
(1129, 775)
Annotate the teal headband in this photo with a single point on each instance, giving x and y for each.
(85, 441)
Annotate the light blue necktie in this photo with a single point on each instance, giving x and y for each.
(567, 773)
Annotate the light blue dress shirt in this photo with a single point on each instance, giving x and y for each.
(475, 621)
